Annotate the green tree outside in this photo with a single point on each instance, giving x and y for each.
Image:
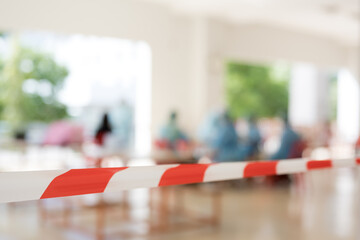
(259, 90)
(26, 66)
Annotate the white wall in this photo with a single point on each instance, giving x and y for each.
(188, 52)
(267, 43)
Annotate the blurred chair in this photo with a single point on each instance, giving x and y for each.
(63, 133)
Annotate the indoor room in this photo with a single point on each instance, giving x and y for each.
(177, 119)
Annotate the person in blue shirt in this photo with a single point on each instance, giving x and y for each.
(207, 131)
(289, 139)
(226, 141)
(123, 120)
(171, 132)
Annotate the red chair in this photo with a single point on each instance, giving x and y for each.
(297, 149)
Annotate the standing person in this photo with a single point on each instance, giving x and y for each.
(103, 129)
(122, 117)
(96, 151)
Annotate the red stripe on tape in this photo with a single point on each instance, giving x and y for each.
(184, 174)
(314, 164)
(80, 181)
(358, 160)
(260, 169)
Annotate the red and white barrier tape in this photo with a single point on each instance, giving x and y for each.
(32, 185)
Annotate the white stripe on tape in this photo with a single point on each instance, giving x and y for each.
(22, 186)
(137, 177)
(224, 171)
(344, 162)
(291, 166)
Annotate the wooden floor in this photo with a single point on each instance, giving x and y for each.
(322, 205)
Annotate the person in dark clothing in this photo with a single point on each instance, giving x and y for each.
(103, 129)
(253, 138)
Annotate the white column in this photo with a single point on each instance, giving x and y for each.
(302, 95)
(143, 99)
(308, 95)
(198, 89)
(348, 109)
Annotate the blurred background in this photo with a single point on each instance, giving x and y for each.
(146, 82)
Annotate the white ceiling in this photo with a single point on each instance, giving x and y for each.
(335, 19)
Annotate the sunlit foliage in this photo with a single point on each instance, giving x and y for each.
(29, 84)
(258, 90)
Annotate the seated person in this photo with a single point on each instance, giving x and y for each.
(221, 136)
(171, 136)
(253, 138)
(289, 142)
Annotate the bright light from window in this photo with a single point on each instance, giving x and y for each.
(105, 74)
